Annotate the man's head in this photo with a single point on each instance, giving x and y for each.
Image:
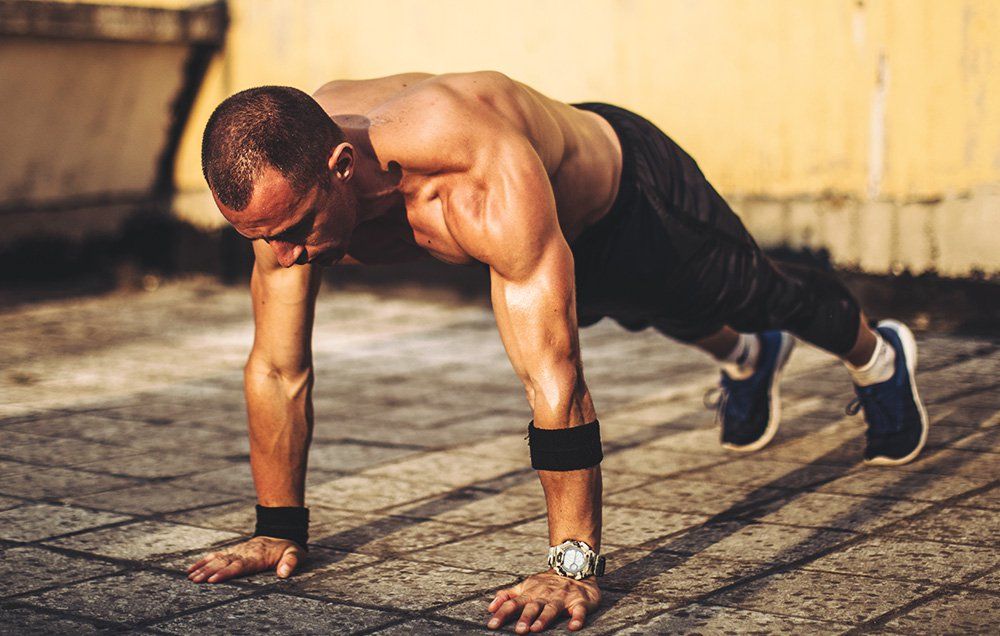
(279, 169)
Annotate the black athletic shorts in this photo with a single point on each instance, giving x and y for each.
(672, 254)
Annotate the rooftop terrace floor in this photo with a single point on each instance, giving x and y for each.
(123, 456)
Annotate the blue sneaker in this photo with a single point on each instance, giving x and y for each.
(750, 409)
(896, 418)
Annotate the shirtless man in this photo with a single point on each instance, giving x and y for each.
(580, 212)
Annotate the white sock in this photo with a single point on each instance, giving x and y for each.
(742, 360)
(879, 369)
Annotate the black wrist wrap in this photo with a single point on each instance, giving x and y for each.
(565, 448)
(290, 523)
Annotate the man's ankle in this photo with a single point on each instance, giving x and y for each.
(879, 368)
(742, 360)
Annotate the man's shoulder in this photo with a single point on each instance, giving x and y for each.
(358, 96)
(363, 96)
(441, 125)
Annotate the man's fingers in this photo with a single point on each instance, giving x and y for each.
(531, 610)
(287, 564)
(209, 569)
(549, 612)
(202, 561)
(577, 617)
(504, 612)
(502, 597)
(228, 572)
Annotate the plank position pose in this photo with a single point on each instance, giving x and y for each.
(580, 211)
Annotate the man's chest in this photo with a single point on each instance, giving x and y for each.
(413, 230)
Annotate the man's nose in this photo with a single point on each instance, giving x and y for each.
(288, 253)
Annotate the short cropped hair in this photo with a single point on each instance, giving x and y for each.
(278, 126)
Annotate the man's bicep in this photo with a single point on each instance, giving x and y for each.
(284, 301)
(531, 275)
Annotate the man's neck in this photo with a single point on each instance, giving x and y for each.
(377, 189)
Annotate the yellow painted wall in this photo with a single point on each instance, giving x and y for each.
(877, 103)
(773, 97)
(83, 120)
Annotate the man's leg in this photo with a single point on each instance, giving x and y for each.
(720, 344)
(723, 344)
(682, 252)
(818, 308)
(864, 345)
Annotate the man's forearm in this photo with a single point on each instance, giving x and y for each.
(279, 409)
(573, 499)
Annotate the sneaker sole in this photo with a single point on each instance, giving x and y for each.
(910, 351)
(787, 344)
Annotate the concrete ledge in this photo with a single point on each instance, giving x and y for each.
(952, 237)
(200, 25)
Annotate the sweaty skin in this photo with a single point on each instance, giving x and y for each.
(464, 168)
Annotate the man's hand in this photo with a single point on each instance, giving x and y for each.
(256, 555)
(543, 597)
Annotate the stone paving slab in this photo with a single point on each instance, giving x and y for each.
(879, 482)
(155, 465)
(990, 581)
(132, 597)
(501, 551)
(956, 525)
(282, 614)
(713, 619)
(841, 512)
(8, 468)
(822, 596)
(121, 463)
(757, 542)
(385, 535)
(143, 540)
(55, 483)
(64, 452)
(959, 613)
(669, 575)
(480, 508)
(750, 473)
(895, 558)
(404, 584)
(699, 497)
(425, 626)
(27, 568)
(153, 498)
(9, 502)
(41, 521)
(988, 499)
(29, 620)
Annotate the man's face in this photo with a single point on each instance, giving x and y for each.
(313, 228)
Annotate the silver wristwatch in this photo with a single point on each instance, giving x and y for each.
(575, 559)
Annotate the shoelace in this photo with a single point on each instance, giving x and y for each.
(875, 412)
(716, 398)
(713, 397)
(853, 407)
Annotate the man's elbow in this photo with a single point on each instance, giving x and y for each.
(556, 394)
(261, 373)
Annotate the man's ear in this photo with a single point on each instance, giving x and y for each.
(341, 161)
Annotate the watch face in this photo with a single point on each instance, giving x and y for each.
(573, 560)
